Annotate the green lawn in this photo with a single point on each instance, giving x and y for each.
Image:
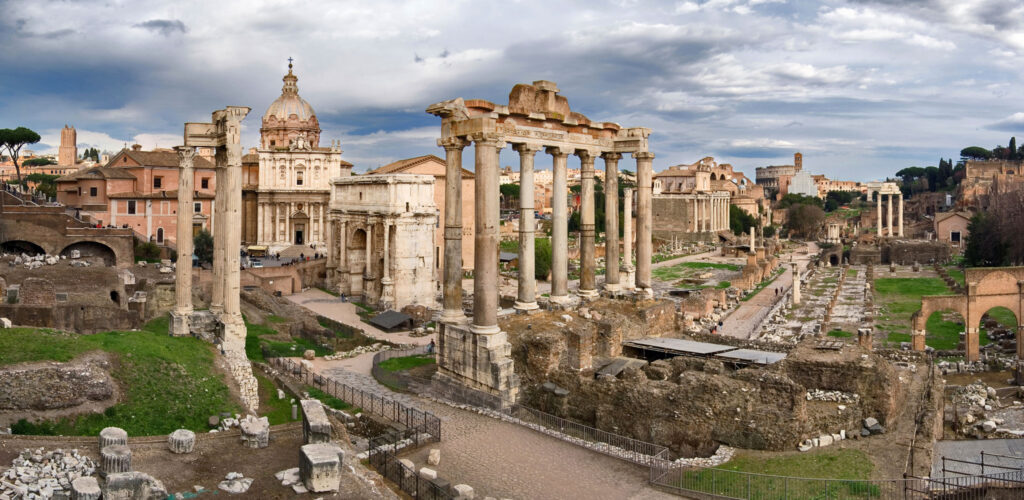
(840, 334)
(167, 383)
(331, 401)
(682, 269)
(276, 348)
(902, 298)
(277, 411)
(276, 319)
(957, 274)
(848, 464)
(407, 362)
(851, 273)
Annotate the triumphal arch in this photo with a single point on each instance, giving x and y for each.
(987, 288)
(474, 352)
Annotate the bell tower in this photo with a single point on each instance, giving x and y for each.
(67, 155)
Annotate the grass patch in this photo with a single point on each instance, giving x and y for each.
(276, 319)
(167, 383)
(840, 334)
(329, 292)
(254, 345)
(277, 411)
(407, 362)
(509, 246)
(684, 269)
(851, 272)
(957, 274)
(846, 464)
(901, 298)
(331, 401)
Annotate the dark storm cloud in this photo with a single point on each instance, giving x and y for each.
(165, 27)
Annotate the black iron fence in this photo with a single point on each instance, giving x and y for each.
(383, 457)
(390, 409)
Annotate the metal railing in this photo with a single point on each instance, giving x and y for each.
(383, 458)
(390, 409)
(632, 450)
(723, 483)
(395, 380)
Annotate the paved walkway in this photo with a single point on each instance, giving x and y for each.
(334, 308)
(970, 451)
(745, 321)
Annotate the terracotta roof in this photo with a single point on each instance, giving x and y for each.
(941, 216)
(97, 173)
(675, 173)
(251, 158)
(403, 165)
(157, 159)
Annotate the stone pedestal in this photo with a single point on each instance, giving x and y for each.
(320, 467)
(85, 488)
(115, 458)
(180, 324)
(255, 432)
(917, 340)
(475, 367)
(316, 427)
(865, 338)
(113, 435)
(181, 441)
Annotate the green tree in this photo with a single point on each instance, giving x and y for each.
(37, 162)
(1013, 148)
(202, 246)
(13, 140)
(799, 199)
(45, 183)
(975, 153)
(740, 222)
(804, 219)
(985, 245)
(541, 258)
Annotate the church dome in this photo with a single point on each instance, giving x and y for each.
(289, 103)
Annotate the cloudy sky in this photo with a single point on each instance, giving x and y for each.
(862, 88)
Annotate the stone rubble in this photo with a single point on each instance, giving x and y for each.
(235, 482)
(40, 474)
(834, 396)
(363, 349)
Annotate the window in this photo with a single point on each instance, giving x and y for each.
(298, 178)
(92, 191)
(131, 207)
(954, 236)
(205, 183)
(159, 235)
(197, 207)
(157, 182)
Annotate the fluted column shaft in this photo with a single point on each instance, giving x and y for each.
(880, 227)
(559, 225)
(219, 232)
(889, 217)
(527, 297)
(611, 220)
(452, 287)
(644, 245)
(233, 228)
(588, 264)
(627, 230)
(901, 216)
(487, 220)
(183, 268)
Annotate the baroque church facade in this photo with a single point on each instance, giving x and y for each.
(289, 187)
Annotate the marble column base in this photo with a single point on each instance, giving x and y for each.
(587, 294)
(563, 302)
(526, 307)
(180, 326)
(644, 293)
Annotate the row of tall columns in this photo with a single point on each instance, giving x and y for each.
(180, 319)
(486, 211)
(709, 214)
(889, 230)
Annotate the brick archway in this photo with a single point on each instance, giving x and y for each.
(987, 288)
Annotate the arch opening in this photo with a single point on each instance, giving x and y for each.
(22, 247)
(943, 329)
(92, 250)
(997, 324)
(833, 260)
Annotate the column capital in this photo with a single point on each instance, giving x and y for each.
(611, 156)
(527, 149)
(186, 154)
(487, 139)
(453, 143)
(643, 155)
(558, 151)
(586, 156)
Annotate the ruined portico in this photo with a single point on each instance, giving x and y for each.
(889, 189)
(224, 135)
(474, 352)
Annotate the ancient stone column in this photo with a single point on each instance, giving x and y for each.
(85, 488)
(113, 435)
(234, 326)
(368, 273)
(115, 458)
(344, 276)
(527, 297)
(588, 264)
(627, 234)
(971, 343)
(183, 267)
(889, 218)
(753, 242)
(181, 441)
(387, 285)
(452, 230)
(644, 244)
(559, 227)
(901, 216)
(220, 230)
(487, 220)
(693, 216)
(880, 226)
(611, 221)
(796, 283)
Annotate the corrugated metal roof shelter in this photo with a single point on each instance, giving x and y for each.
(752, 356)
(660, 348)
(390, 320)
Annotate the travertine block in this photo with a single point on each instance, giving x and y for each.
(133, 486)
(320, 467)
(316, 428)
(255, 432)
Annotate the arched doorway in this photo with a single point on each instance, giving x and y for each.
(997, 324)
(943, 330)
(91, 249)
(21, 247)
(833, 260)
(299, 232)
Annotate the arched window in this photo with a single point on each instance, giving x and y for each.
(159, 235)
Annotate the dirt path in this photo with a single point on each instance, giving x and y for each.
(332, 307)
(745, 321)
